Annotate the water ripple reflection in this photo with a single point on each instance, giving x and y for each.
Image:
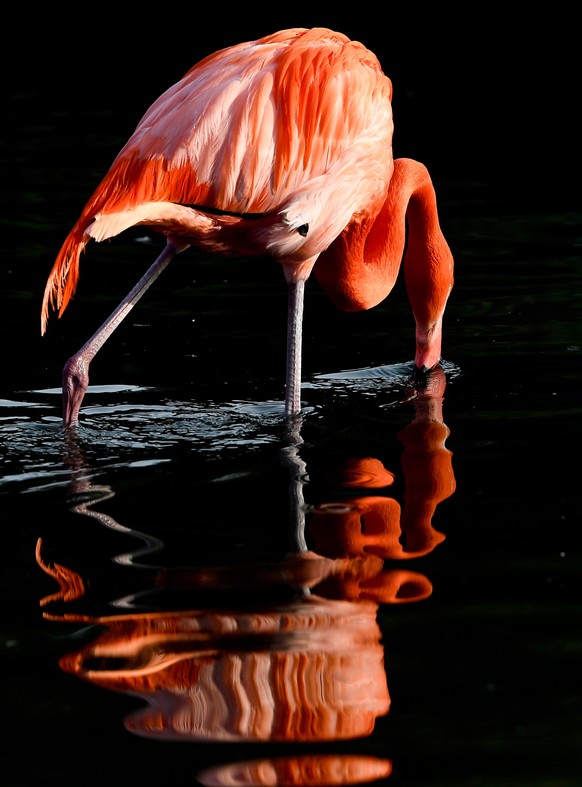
(278, 650)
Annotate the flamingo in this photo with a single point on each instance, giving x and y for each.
(281, 147)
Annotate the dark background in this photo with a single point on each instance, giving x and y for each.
(489, 101)
(478, 93)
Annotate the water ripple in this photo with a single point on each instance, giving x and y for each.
(140, 428)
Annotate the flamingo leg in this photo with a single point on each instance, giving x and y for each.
(76, 370)
(296, 291)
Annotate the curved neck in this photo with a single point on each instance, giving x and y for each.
(360, 268)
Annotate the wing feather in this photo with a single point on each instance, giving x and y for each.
(242, 131)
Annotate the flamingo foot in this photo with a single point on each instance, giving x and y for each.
(75, 382)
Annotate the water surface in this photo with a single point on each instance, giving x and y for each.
(386, 590)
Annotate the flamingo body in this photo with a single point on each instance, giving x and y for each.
(279, 147)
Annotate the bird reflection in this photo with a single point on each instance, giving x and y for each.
(368, 522)
(304, 770)
(307, 665)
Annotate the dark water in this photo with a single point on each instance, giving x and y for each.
(195, 591)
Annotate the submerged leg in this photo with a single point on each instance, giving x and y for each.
(76, 371)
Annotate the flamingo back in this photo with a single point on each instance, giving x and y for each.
(249, 129)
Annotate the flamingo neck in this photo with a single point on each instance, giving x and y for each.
(361, 266)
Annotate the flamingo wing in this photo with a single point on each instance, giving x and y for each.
(297, 115)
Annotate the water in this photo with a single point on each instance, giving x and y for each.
(386, 590)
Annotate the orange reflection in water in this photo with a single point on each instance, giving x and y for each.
(307, 670)
(369, 523)
(306, 770)
(311, 669)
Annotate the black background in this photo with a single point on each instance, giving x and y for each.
(482, 96)
(478, 92)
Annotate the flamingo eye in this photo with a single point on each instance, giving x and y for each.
(303, 229)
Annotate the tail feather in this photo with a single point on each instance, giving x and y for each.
(64, 276)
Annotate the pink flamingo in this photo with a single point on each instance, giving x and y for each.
(279, 147)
